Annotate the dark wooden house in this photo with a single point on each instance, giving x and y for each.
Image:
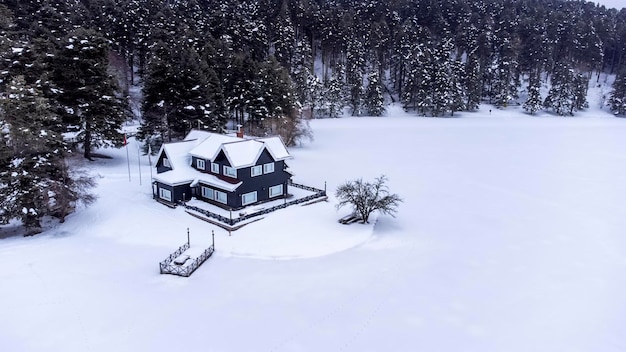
(227, 171)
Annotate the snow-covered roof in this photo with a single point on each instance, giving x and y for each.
(178, 153)
(210, 145)
(276, 147)
(239, 151)
(198, 135)
(214, 181)
(242, 153)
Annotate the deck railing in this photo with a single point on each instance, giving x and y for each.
(166, 266)
(232, 221)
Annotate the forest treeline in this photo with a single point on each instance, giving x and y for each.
(70, 65)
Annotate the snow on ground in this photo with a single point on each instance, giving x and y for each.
(510, 238)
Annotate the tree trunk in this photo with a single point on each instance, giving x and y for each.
(87, 141)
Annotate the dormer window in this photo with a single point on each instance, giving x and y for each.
(200, 164)
(215, 168)
(268, 168)
(230, 172)
(166, 162)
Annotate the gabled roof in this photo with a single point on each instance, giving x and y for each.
(239, 152)
(276, 147)
(210, 145)
(178, 153)
(242, 153)
(206, 145)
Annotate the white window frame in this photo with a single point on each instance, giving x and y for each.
(268, 168)
(166, 162)
(259, 170)
(227, 169)
(215, 168)
(220, 196)
(207, 192)
(245, 201)
(165, 194)
(273, 189)
(200, 164)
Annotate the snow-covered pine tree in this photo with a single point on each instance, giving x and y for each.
(214, 61)
(283, 37)
(472, 82)
(458, 94)
(374, 98)
(355, 72)
(444, 93)
(31, 154)
(534, 102)
(307, 86)
(188, 90)
(333, 96)
(156, 104)
(580, 86)
(561, 97)
(89, 95)
(617, 100)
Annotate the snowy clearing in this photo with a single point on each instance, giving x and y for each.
(510, 238)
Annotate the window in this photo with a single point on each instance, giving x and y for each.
(200, 164)
(248, 198)
(276, 191)
(165, 194)
(220, 197)
(257, 170)
(207, 192)
(215, 168)
(229, 171)
(267, 168)
(166, 162)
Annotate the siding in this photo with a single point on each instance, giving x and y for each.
(231, 197)
(159, 165)
(177, 191)
(262, 183)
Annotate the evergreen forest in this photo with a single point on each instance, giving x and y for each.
(86, 66)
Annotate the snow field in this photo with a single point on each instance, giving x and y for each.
(510, 238)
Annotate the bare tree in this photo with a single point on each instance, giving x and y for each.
(292, 130)
(366, 197)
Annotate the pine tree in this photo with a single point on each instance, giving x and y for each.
(355, 71)
(333, 95)
(617, 101)
(90, 97)
(580, 85)
(31, 152)
(533, 103)
(561, 95)
(374, 99)
(156, 105)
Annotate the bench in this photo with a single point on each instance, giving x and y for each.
(181, 259)
(349, 219)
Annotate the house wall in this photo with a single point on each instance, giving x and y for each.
(159, 165)
(231, 197)
(220, 159)
(182, 192)
(178, 192)
(262, 183)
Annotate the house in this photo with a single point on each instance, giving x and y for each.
(227, 171)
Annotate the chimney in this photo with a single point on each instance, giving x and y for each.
(240, 131)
